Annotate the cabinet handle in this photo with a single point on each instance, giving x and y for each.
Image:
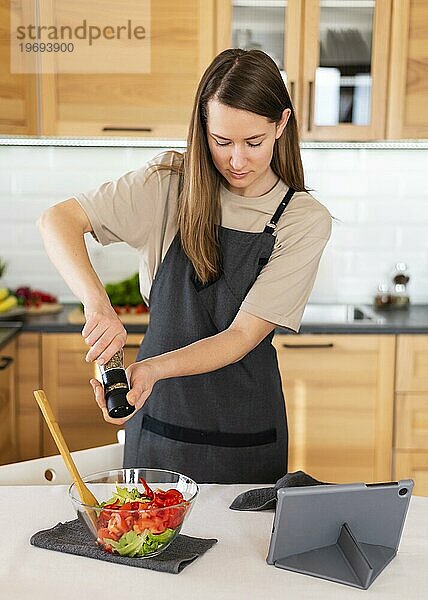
(299, 346)
(146, 129)
(311, 84)
(5, 361)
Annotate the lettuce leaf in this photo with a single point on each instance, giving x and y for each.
(124, 495)
(139, 544)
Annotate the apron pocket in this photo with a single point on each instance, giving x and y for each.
(219, 300)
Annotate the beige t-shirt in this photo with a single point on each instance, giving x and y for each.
(141, 210)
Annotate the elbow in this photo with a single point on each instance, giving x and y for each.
(43, 220)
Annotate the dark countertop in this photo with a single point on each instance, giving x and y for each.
(7, 331)
(392, 321)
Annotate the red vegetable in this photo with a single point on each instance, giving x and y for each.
(116, 519)
(147, 490)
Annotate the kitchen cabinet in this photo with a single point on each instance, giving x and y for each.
(274, 27)
(408, 79)
(28, 379)
(65, 376)
(8, 440)
(333, 54)
(344, 80)
(18, 91)
(411, 411)
(157, 104)
(339, 392)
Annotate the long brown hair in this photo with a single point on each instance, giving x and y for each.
(247, 80)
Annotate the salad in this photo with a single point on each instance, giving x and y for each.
(133, 524)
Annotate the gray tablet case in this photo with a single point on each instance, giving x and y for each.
(346, 533)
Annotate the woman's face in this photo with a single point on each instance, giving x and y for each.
(241, 145)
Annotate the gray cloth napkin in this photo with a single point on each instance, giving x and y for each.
(265, 498)
(73, 537)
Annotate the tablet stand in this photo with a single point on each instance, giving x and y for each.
(347, 561)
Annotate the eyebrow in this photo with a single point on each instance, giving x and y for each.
(253, 137)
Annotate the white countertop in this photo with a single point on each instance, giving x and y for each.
(235, 568)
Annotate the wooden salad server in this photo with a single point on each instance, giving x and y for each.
(85, 493)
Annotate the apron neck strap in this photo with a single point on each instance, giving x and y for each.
(271, 226)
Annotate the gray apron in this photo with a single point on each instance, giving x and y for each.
(229, 425)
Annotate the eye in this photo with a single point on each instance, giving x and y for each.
(227, 144)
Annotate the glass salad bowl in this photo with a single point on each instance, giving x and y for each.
(140, 511)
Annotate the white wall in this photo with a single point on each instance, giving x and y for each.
(379, 195)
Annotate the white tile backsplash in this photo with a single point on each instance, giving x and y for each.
(379, 197)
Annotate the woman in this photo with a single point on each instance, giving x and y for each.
(230, 242)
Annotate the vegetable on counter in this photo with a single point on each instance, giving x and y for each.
(136, 524)
(7, 300)
(28, 297)
(126, 294)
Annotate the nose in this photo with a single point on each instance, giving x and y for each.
(237, 159)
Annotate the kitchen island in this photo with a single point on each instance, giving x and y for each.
(234, 568)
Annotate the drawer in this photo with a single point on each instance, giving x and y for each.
(412, 465)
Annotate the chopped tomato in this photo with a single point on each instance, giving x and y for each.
(106, 533)
(117, 523)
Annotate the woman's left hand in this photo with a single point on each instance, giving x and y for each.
(141, 376)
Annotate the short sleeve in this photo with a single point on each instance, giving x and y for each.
(282, 289)
(124, 209)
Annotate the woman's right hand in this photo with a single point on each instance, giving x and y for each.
(103, 332)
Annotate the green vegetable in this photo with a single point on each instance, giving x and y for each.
(139, 544)
(130, 544)
(125, 292)
(125, 495)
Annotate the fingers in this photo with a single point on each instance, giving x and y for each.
(141, 380)
(91, 323)
(104, 333)
(106, 347)
(99, 397)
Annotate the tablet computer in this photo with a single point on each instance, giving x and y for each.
(346, 533)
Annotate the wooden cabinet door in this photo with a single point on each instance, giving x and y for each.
(411, 421)
(154, 104)
(66, 378)
(339, 394)
(412, 363)
(18, 93)
(344, 78)
(408, 79)
(8, 442)
(412, 465)
(411, 411)
(29, 374)
(273, 27)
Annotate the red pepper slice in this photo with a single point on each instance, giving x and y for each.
(148, 491)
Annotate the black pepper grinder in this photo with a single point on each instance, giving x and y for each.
(116, 387)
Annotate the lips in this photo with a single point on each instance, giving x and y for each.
(238, 175)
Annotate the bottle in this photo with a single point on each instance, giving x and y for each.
(116, 387)
(383, 296)
(400, 297)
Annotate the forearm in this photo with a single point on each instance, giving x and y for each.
(203, 356)
(66, 248)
